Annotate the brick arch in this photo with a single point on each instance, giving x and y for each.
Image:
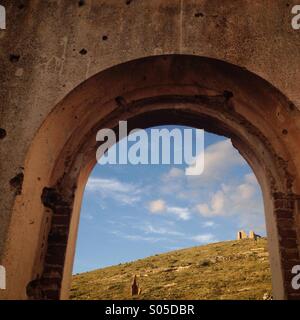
(174, 89)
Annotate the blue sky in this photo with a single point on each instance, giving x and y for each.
(134, 211)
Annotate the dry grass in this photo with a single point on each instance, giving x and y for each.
(225, 270)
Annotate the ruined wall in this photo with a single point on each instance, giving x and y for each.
(49, 47)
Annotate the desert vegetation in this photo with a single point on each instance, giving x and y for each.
(224, 270)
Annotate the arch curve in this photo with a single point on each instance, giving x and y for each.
(171, 89)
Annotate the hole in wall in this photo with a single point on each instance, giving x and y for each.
(17, 182)
(14, 57)
(83, 51)
(2, 133)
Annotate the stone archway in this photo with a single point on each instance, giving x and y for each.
(172, 89)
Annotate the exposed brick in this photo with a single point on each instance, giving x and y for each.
(278, 195)
(284, 213)
(288, 243)
(284, 204)
(57, 250)
(288, 276)
(285, 222)
(65, 210)
(290, 204)
(287, 233)
(278, 203)
(50, 283)
(58, 238)
(51, 294)
(289, 254)
(60, 229)
(53, 271)
(52, 199)
(289, 264)
(52, 275)
(294, 296)
(58, 235)
(60, 219)
(55, 259)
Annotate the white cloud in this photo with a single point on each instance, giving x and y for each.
(124, 193)
(143, 238)
(181, 213)
(173, 181)
(204, 209)
(218, 158)
(245, 191)
(204, 194)
(216, 206)
(157, 206)
(150, 229)
(242, 200)
(174, 173)
(204, 238)
(250, 178)
(154, 234)
(208, 224)
(87, 216)
(138, 237)
(230, 197)
(217, 201)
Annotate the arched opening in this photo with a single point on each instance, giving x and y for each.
(173, 89)
(175, 233)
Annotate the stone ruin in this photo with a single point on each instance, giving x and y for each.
(253, 235)
(243, 235)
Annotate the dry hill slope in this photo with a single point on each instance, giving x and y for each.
(225, 270)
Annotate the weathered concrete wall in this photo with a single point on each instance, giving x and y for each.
(50, 47)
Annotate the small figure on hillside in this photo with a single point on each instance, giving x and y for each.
(134, 287)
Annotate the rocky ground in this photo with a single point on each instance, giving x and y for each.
(225, 270)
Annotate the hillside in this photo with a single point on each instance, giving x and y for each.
(224, 270)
